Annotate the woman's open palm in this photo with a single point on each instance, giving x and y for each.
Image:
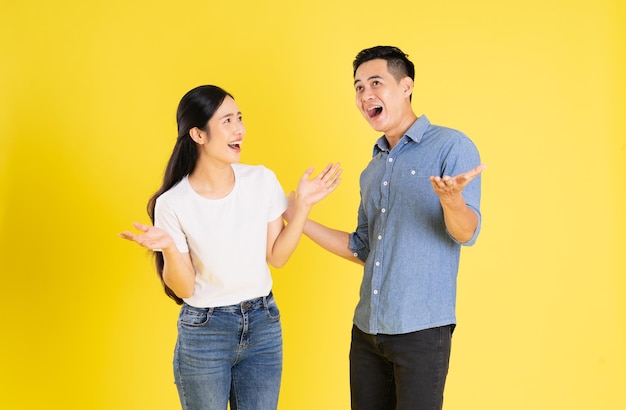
(314, 190)
(151, 237)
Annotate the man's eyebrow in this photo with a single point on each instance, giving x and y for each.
(369, 78)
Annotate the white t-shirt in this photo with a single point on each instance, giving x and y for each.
(227, 237)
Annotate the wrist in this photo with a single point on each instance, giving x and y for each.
(300, 205)
(452, 202)
(169, 249)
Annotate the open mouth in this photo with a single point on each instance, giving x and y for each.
(375, 111)
(235, 146)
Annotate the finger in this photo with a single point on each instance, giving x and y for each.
(480, 168)
(141, 227)
(332, 179)
(334, 184)
(471, 174)
(125, 235)
(336, 171)
(129, 236)
(323, 175)
(333, 173)
(327, 168)
(307, 174)
(329, 173)
(438, 182)
(477, 170)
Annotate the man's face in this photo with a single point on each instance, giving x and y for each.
(382, 100)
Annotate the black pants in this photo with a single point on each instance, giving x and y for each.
(399, 372)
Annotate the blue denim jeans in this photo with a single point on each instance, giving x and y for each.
(229, 353)
(399, 372)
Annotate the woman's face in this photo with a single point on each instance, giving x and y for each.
(225, 133)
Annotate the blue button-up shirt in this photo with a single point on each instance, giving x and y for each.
(411, 261)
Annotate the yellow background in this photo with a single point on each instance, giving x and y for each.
(88, 92)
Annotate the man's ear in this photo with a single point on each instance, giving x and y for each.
(199, 136)
(407, 86)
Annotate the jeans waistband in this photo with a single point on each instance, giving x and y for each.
(243, 306)
(255, 303)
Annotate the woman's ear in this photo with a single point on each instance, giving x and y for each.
(198, 136)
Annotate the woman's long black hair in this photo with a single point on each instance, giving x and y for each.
(194, 110)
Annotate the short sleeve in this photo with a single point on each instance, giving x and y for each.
(165, 218)
(278, 201)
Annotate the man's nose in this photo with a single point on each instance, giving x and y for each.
(367, 94)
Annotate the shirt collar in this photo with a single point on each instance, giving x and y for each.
(415, 133)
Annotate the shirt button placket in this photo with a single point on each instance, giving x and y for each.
(378, 269)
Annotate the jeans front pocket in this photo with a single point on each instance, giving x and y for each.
(271, 309)
(194, 317)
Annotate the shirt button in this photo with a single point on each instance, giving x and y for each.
(383, 210)
(375, 291)
(385, 183)
(390, 159)
(380, 237)
(355, 254)
(377, 263)
(412, 172)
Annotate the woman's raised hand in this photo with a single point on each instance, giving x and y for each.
(151, 237)
(312, 190)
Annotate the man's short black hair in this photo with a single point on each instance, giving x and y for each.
(397, 62)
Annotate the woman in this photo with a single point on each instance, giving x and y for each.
(217, 225)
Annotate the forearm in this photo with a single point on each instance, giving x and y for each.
(178, 272)
(334, 241)
(288, 238)
(461, 221)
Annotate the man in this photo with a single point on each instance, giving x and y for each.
(420, 198)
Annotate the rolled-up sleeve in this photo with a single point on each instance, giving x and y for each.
(359, 239)
(463, 157)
